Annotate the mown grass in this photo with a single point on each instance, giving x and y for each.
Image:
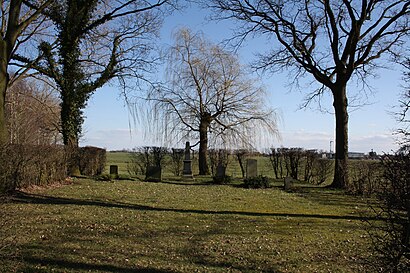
(134, 226)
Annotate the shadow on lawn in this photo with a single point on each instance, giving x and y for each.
(63, 264)
(21, 197)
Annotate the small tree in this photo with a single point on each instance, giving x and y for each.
(218, 157)
(292, 157)
(177, 157)
(276, 160)
(310, 159)
(322, 170)
(140, 160)
(158, 155)
(241, 155)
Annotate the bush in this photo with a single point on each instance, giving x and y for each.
(144, 157)
(226, 179)
(258, 182)
(322, 169)
(22, 166)
(365, 177)
(92, 160)
(391, 238)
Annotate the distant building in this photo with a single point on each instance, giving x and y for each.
(355, 155)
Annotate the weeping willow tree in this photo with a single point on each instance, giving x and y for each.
(209, 95)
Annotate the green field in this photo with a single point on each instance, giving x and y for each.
(233, 169)
(182, 226)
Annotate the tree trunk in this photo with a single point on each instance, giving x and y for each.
(70, 131)
(3, 88)
(341, 179)
(203, 148)
(3, 126)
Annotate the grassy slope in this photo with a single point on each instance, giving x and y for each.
(169, 227)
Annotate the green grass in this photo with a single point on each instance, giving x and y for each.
(129, 226)
(120, 159)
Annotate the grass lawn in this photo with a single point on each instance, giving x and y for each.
(134, 226)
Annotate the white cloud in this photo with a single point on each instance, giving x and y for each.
(113, 139)
(379, 142)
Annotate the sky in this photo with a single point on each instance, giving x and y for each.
(108, 122)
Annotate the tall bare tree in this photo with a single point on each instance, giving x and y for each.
(209, 93)
(20, 21)
(332, 40)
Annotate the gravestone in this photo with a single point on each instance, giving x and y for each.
(153, 174)
(288, 183)
(114, 171)
(187, 170)
(251, 168)
(220, 171)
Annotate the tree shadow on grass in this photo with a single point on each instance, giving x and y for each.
(21, 197)
(64, 264)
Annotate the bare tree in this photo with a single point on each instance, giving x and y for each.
(241, 155)
(20, 21)
(209, 93)
(32, 111)
(402, 115)
(276, 158)
(177, 156)
(332, 40)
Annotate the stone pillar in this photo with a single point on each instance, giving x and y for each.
(187, 171)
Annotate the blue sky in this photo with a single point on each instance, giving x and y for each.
(108, 123)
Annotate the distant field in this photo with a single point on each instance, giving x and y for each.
(118, 158)
(133, 226)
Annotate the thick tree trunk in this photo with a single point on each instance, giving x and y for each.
(341, 179)
(70, 133)
(203, 148)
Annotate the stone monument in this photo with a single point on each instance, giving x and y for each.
(187, 171)
(288, 183)
(114, 171)
(153, 174)
(251, 168)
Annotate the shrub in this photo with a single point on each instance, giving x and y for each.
(365, 177)
(391, 238)
(226, 179)
(92, 160)
(22, 166)
(144, 157)
(258, 182)
(322, 169)
(177, 157)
